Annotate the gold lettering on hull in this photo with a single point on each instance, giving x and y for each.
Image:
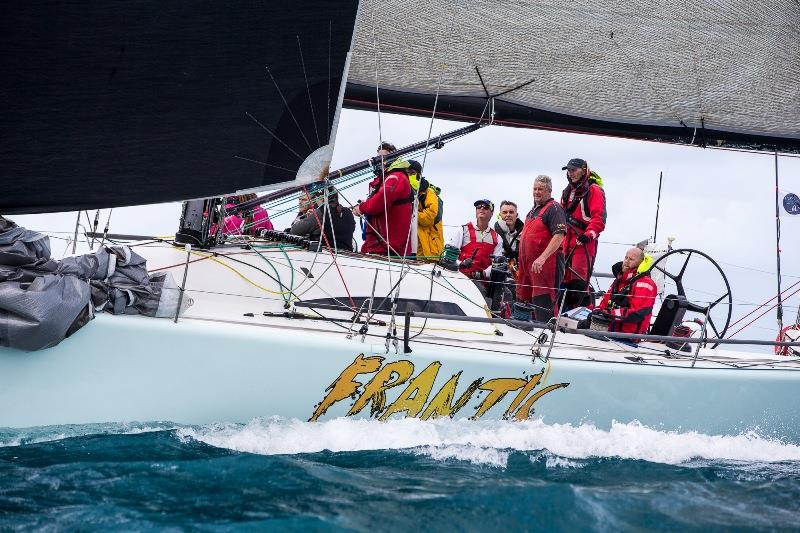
(414, 399)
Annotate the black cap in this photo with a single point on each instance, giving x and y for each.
(415, 166)
(575, 163)
(485, 202)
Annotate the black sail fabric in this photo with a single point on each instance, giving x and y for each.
(690, 71)
(118, 103)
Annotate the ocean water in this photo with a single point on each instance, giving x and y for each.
(362, 475)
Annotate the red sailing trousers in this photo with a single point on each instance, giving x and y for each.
(533, 241)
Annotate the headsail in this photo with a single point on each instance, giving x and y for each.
(699, 72)
(120, 103)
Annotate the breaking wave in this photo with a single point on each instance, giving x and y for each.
(491, 442)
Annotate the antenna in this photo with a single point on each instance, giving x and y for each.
(658, 205)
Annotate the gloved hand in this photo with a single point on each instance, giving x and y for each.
(449, 265)
(467, 263)
(584, 238)
(601, 312)
(477, 274)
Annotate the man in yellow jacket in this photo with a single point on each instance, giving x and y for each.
(430, 234)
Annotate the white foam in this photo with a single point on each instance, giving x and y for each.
(489, 442)
(477, 455)
(54, 433)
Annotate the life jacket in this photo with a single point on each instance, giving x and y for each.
(510, 248)
(401, 166)
(620, 299)
(533, 241)
(620, 296)
(581, 198)
(423, 189)
(481, 252)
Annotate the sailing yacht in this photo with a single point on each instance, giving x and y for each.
(161, 104)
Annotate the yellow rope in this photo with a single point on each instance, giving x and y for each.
(428, 328)
(235, 271)
(546, 373)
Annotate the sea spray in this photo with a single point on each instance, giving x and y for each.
(275, 435)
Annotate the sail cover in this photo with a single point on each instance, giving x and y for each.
(111, 103)
(692, 71)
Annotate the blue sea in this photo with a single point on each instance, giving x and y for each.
(404, 475)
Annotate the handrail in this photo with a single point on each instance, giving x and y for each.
(522, 324)
(609, 334)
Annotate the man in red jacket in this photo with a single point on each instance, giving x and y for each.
(585, 204)
(541, 263)
(629, 300)
(388, 208)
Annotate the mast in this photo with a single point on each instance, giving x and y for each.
(778, 246)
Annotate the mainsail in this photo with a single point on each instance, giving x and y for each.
(695, 71)
(120, 103)
(123, 103)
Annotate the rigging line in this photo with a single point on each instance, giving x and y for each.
(425, 307)
(333, 256)
(488, 95)
(759, 306)
(778, 245)
(275, 136)
(380, 141)
(285, 103)
(756, 270)
(216, 259)
(351, 204)
(290, 292)
(761, 315)
(512, 89)
(415, 204)
(277, 274)
(277, 278)
(328, 118)
(455, 291)
(262, 163)
(308, 90)
(105, 231)
(377, 88)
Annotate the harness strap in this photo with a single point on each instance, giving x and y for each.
(407, 200)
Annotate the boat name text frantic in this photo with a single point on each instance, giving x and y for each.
(413, 401)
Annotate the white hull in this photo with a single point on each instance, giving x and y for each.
(217, 364)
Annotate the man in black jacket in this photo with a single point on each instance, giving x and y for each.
(339, 223)
(509, 228)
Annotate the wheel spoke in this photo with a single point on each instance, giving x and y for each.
(685, 264)
(718, 300)
(711, 323)
(664, 271)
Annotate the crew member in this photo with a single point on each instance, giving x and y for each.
(477, 244)
(628, 303)
(247, 222)
(509, 227)
(430, 233)
(338, 222)
(388, 208)
(541, 262)
(585, 204)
